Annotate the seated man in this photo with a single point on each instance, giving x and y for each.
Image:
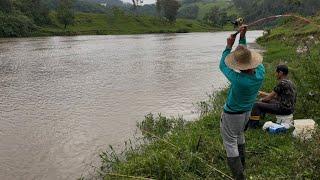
(280, 101)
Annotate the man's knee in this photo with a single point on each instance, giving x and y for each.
(231, 149)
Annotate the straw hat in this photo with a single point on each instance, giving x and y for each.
(243, 59)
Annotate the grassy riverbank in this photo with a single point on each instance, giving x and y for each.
(113, 23)
(174, 149)
(120, 23)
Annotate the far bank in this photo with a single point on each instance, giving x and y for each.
(117, 23)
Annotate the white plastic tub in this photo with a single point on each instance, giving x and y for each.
(304, 128)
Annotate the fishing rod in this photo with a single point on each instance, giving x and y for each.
(240, 21)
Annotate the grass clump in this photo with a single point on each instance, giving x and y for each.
(174, 149)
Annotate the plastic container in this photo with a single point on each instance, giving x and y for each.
(285, 120)
(304, 128)
(274, 128)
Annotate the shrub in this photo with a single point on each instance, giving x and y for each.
(16, 25)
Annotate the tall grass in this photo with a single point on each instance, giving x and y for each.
(174, 149)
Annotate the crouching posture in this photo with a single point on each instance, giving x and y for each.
(244, 69)
(280, 101)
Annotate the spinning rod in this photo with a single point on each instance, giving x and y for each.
(240, 21)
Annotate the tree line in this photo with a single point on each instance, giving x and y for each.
(255, 9)
(22, 17)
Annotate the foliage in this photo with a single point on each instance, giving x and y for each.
(216, 17)
(85, 6)
(59, 17)
(114, 3)
(256, 9)
(189, 11)
(158, 6)
(6, 6)
(204, 7)
(65, 12)
(169, 8)
(15, 25)
(35, 9)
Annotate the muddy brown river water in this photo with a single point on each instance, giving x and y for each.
(63, 100)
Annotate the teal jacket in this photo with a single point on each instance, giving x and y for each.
(244, 87)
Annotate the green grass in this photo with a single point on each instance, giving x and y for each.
(119, 23)
(173, 149)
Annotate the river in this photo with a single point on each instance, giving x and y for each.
(63, 100)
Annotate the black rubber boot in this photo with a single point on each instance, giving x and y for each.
(242, 154)
(236, 167)
(254, 124)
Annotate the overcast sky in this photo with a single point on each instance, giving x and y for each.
(144, 1)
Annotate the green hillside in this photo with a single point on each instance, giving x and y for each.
(206, 5)
(120, 23)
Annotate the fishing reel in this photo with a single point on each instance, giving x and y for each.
(236, 25)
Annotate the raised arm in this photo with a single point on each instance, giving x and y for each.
(243, 31)
(228, 72)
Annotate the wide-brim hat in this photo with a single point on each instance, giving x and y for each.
(243, 59)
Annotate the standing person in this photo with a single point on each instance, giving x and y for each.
(244, 69)
(280, 101)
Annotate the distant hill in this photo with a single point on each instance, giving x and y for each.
(204, 6)
(108, 2)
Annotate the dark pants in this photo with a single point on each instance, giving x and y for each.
(261, 108)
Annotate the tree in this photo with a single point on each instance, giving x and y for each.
(38, 10)
(189, 1)
(255, 9)
(6, 6)
(170, 9)
(136, 3)
(65, 12)
(216, 17)
(189, 11)
(158, 7)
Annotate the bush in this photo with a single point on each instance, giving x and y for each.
(16, 26)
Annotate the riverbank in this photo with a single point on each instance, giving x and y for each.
(176, 149)
(114, 23)
(120, 23)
